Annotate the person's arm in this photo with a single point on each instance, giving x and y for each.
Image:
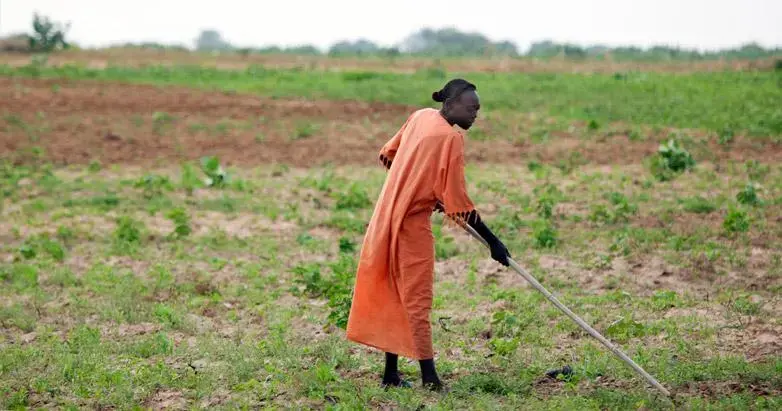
(388, 151)
(455, 203)
(499, 252)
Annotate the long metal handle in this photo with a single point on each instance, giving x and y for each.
(574, 317)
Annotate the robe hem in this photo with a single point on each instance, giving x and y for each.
(390, 350)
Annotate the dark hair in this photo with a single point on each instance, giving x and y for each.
(452, 90)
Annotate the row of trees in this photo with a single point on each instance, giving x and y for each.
(452, 42)
(49, 36)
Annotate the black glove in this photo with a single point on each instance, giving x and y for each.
(438, 207)
(499, 252)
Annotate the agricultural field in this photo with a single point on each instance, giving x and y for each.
(185, 236)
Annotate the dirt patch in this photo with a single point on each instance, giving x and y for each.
(238, 225)
(126, 330)
(548, 387)
(216, 399)
(167, 400)
(307, 330)
(757, 341)
(714, 389)
(139, 124)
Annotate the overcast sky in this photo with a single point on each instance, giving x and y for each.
(699, 24)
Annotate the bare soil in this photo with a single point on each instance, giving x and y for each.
(83, 121)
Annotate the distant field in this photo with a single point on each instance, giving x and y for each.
(130, 57)
(128, 281)
(717, 102)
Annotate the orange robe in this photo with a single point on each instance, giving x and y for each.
(392, 297)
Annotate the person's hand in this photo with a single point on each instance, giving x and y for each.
(438, 206)
(499, 252)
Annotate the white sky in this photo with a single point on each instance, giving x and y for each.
(699, 24)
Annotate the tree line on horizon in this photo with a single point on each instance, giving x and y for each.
(49, 36)
(451, 42)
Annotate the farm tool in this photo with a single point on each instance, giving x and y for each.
(574, 317)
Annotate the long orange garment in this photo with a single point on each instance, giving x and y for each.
(392, 297)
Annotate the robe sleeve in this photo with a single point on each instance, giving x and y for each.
(451, 186)
(388, 152)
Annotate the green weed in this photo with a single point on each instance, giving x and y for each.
(181, 222)
(354, 198)
(305, 130)
(749, 195)
(545, 234)
(671, 160)
(153, 185)
(736, 221)
(620, 210)
(215, 175)
(444, 245)
(189, 180)
(127, 234)
(698, 204)
(756, 171)
(41, 243)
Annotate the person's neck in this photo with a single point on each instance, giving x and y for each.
(445, 117)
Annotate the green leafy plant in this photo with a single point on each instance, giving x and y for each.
(736, 221)
(153, 185)
(354, 198)
(305, 130)
(671, 160)
(545, 234)
(749, 195)
(505, 324)
(725, 136)
(504, 346)
(336, 287)
(545, 206)
(444, 245)
(42, 243)
(574, 159)
(664, 299)
(625, 328)
(27, 251)
(181, 222)
(635, 134)
(756, 170)
(215, 175)
(346, 245)
(622, 244)
(620, 211)
(94, 166)
(127, 234)
(698, 205)
(189, 180)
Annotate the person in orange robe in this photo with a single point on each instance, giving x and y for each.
(392, 296)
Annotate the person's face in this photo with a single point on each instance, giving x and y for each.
(464, 110)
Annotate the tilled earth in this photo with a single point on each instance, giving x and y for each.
(77, 122)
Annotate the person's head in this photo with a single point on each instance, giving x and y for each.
(460, 102)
